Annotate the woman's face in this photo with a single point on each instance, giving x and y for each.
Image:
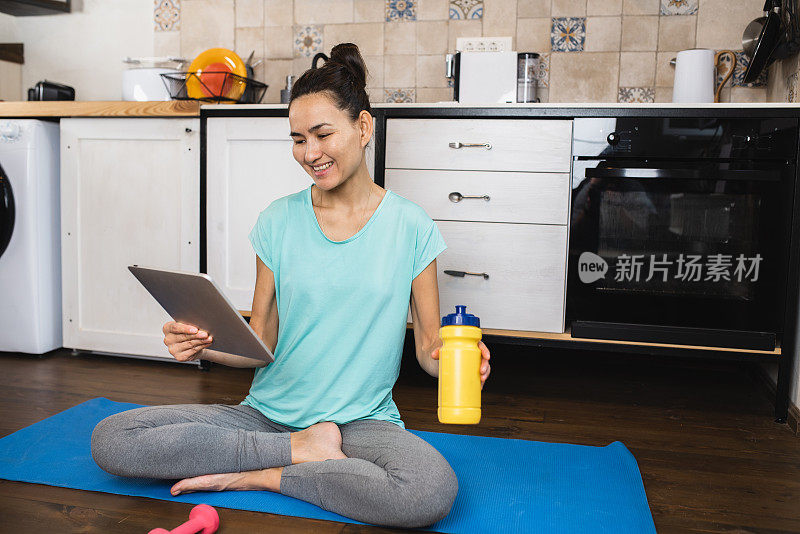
(327, 144)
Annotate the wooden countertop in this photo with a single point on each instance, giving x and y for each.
(68, 108)
(191, 108)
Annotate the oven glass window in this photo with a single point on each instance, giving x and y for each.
(692, 252)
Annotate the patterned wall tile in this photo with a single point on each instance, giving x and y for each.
(568, 34)
(307, 40)
(543, 74)
(742, 62)
(404, 95)
(636, 95)
(791, 89)
(737, 80)
(466, 9)
(679, 7)
(167, 15)
(397, 10)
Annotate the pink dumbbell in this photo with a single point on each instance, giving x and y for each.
(203, 519)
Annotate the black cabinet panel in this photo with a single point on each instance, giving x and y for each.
(35, 7)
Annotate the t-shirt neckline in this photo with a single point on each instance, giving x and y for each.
(310, 208)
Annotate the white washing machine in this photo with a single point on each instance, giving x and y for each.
(30, 244)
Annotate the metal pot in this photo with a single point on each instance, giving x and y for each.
(751, 35)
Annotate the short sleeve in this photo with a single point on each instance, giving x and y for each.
(260, 239)
(430, 244)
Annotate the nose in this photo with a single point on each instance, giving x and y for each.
(313, 152)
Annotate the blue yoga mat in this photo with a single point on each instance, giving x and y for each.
(505, 485)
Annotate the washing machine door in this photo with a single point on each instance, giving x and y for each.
(6, 211)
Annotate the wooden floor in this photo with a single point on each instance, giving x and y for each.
(710, 454)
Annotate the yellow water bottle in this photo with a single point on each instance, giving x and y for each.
(459, 369)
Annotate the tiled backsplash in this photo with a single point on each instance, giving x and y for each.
(592, 50)
(783, 80)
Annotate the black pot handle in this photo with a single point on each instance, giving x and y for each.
(6, 211)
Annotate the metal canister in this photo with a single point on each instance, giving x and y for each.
(527, 70)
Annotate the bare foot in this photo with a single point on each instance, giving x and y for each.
(262, 479)
(321, 441)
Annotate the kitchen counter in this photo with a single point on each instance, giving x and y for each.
(68, 108)
(191, 108)
(551, 105)
(560, 110)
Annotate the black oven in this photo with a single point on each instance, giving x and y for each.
(680, 229)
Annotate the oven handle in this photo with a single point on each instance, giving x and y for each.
(683, 174)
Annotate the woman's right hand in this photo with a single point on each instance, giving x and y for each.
(185, 341)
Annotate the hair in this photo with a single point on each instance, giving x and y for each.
(343, 77)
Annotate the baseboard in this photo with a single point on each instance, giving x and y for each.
(794, 419)
(765, 381)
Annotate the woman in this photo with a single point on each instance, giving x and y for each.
(335, 266)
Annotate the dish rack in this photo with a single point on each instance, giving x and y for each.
(176, 86)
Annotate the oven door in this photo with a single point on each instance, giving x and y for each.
(693, 245)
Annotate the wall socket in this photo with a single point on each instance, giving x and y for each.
(483, 44)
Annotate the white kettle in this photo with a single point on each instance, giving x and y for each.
(695, 75)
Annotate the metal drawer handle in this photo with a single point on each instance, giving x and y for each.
(457, 144)
(461, 274)
(455, 196)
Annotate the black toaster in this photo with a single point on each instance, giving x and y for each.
(46, 90)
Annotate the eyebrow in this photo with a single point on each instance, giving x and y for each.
(313, 128)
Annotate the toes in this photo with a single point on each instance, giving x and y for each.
(188, 485)
(178, 488)
(214, 482)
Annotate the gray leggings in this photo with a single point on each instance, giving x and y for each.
(390, 476)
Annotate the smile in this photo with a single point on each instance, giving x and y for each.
(322, 167)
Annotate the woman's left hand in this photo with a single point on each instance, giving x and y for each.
(485, 368)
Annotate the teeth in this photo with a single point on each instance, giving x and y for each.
(323, 167)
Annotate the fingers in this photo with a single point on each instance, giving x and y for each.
(188, 350)
(185, 341)
(174, 327)
(175, 332)
(485, 370)
(177, 338)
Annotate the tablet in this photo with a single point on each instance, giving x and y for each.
(195, 299)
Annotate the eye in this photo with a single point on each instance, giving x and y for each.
(298, 141)
(322, 136)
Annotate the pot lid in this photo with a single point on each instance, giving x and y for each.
(154, 61)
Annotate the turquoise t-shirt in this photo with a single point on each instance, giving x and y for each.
(342, 310)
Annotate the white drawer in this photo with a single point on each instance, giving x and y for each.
(516, 144)
(526, 264)
(514, 197)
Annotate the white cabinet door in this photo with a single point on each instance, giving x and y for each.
(526, 267)
(249, 164)
(129, 195)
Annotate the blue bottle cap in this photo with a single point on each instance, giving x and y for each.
(461, 317)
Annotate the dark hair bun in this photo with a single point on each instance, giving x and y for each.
(343, 76)
(347, 55)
